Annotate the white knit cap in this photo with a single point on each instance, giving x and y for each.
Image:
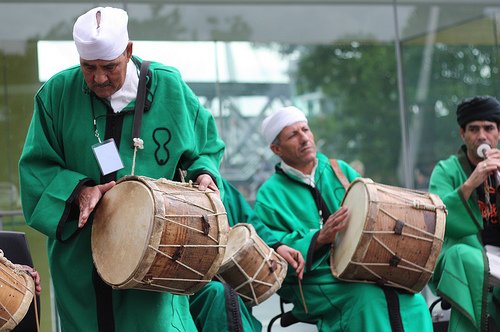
(284, 117)
(104, 41)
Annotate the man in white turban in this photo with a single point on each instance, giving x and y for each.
(95, 105)
(300, 203)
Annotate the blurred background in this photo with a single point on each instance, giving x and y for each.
(380, 81)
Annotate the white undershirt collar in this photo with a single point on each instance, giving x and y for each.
(128, 91)
(307, 178)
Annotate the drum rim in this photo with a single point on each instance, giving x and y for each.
(437, 242)
(240, 254)
(364, 240)
(138, 272)
(23, 308)
(227, 262)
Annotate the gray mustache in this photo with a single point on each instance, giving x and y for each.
(103, 85)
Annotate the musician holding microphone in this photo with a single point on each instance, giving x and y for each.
(468, 270)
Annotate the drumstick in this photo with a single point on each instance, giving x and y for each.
(301, 293)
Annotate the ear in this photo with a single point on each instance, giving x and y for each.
(276, 149)
(462, 133)
(128, 52)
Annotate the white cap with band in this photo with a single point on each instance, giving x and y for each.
(284, 117)
(104, 39)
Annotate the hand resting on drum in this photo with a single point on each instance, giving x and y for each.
(294, 258)
(36, 278)
(332, 225)
(87, 199)
(205, 181)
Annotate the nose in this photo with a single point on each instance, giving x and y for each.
(303, 136)
(482, 133)
(100, 77)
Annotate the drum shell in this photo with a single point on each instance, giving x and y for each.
(248, 268)
(418, 246)
(174, 227)
(17, 292)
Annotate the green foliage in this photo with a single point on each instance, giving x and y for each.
(365, 124)
(362, 81)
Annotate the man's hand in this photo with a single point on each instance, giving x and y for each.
(332, 225)
(294, 258)
(205, 181)
(483, 169)
(36, 278)
(87, 199)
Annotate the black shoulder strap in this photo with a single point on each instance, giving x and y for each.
(140, 100)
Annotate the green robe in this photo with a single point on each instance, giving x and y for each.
(462, 272)
(57, 160)
(208, 305)
(288, 208)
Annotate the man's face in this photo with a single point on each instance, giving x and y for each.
(106, 77)
(297, 147)
(477, 133)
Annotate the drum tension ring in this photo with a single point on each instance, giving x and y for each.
(395, 260)
(148, 279)
(398, 228)
(178, 253)
(206, 224)
(273, 266)
(381, 282)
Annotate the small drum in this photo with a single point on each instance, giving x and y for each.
(393, 236)
(158, 235)
(250, 267)
(17, 289)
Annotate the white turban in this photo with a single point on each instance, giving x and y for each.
(284, 117)
(104, 41)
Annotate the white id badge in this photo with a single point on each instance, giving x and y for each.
(107, 156)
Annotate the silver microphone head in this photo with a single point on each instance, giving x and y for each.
(482, 149)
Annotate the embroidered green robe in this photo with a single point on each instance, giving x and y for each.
(462, 272)
(57, 160)
(209, 306)
(288, 208)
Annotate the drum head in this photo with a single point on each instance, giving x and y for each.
(121, 230)
(356, 200)
(238, 237)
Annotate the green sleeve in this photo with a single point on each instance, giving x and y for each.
(239, 211)
(209, 148)
(462, 218)
(299, 238)
(47, 187)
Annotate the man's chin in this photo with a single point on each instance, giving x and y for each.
(103, 93)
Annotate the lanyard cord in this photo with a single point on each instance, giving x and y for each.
(95, 119)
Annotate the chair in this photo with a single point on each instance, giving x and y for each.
(16, 249)
(286, 318)
(443, 325)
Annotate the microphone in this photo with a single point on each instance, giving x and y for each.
(482, 149)
(481, 152)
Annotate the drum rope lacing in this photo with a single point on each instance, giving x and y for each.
(18, 270)
(387, 282)
(253, 279)
(405, 234)
(416, 204)
(175, 195)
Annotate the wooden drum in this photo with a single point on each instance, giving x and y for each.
(17, 289)
(159, 235)
(393, 236)
(250, 267)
